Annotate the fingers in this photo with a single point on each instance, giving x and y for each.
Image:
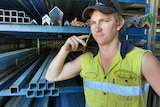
(74, 43)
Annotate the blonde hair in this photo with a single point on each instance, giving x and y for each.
(119, 19)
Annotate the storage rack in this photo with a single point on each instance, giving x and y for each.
(39, 32)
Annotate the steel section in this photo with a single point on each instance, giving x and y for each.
(30, 93)
(33, 85)
(49, 29)
(39, 94)
(42, 81)
(133, 1)
(21, 81)
(54, 92)
(6, 92)
(8, 59)
(134, 31)
(58, 29)
(12, 76)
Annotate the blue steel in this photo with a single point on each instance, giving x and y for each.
(133, 37)
(50, 85)
(40, 28)
(47, 93)
(21, 81)
(55, 29)
(8, 58)
(42, 81)
(133, 1)
(54, 92)
(39, 93)
(158, 38)
(30, 93)
(51, 92)
(6, 92)
(34, 82)
(13, 76)
(134, 31)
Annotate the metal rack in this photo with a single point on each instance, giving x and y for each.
(40, 88)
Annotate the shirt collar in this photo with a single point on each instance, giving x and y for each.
(125, 48)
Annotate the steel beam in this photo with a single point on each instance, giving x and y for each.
(133, 1)
(33, 85)
(6, 92)
(49, 29)
(30, 93)
(21, 81)
(13, 76)
(8, 59)
(42, 81)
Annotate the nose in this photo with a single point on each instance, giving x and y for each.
(98, 27)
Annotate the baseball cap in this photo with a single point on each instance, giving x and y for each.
(104, 6)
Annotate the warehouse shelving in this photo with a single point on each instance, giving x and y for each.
(26, 93)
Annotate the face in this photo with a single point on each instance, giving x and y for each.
(104, 27)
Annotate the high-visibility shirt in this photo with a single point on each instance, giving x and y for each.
(122, 86)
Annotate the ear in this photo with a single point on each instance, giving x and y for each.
(120, 26)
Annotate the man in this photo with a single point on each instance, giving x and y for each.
(117, 73)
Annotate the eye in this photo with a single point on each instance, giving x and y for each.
(104, 20)
(91, 23)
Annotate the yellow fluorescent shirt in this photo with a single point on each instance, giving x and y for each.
(122, 86)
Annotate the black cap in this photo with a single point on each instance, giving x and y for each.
(104, 6)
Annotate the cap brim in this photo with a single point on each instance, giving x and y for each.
(103, 9)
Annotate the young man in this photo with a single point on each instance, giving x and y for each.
(117, 74)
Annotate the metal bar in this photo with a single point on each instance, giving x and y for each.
(30, 93)
(134, 31)
(133, 1)
(8, 58)
(13, 76)
(47, 93)
(21, 81)
(51, 29)
(35, 79)
(54, 92)
(6, 92)
(42, 81)
(39, 93)
(50, 85)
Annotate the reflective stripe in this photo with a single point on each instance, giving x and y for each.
(86, 105)
(117, 89)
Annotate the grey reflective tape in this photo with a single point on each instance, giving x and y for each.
(117, 89)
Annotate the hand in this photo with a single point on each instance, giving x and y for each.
(75, 43)
(75, 22)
